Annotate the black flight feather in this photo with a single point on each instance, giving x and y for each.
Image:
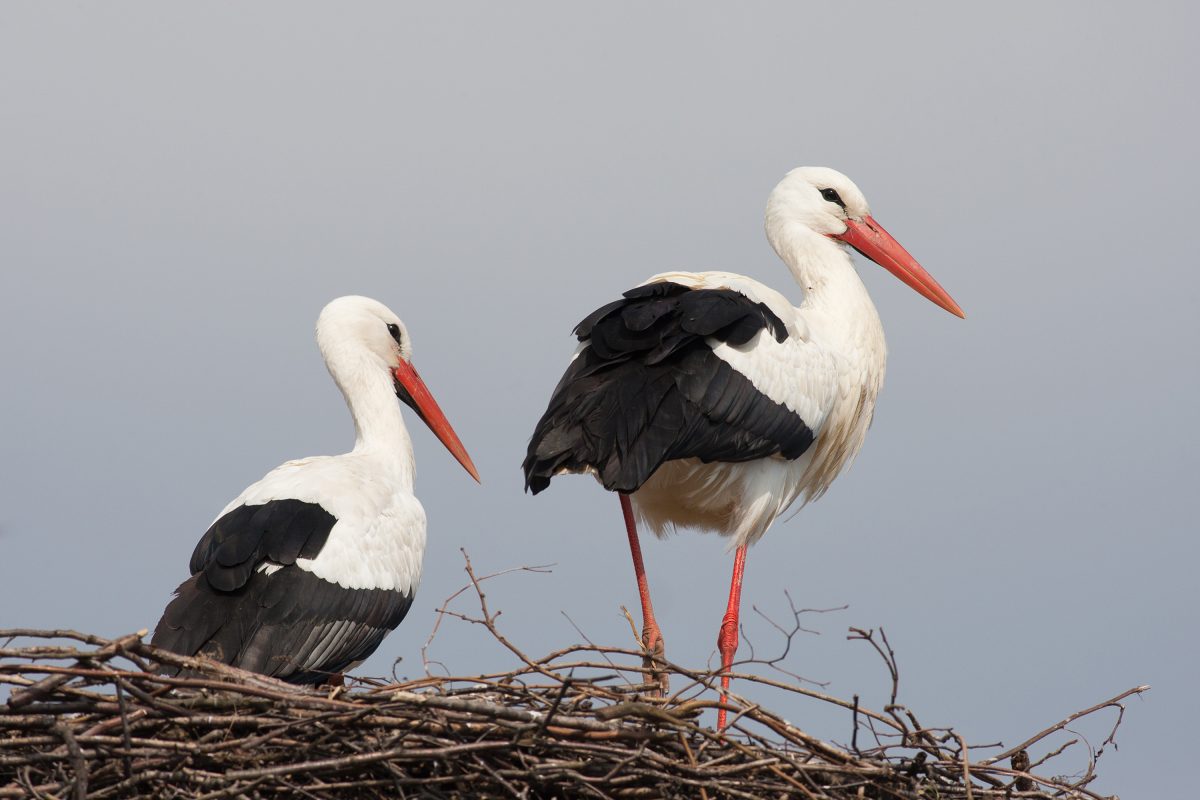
(648, 389)
(289, 623)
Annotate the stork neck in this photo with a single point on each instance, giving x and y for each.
(832, 287)
(378, 424)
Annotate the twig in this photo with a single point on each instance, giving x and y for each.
(1058, 726)
(885, 652)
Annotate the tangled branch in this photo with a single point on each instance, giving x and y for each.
(91, 717)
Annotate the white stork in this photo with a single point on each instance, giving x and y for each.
(306, 571)
(707, 401)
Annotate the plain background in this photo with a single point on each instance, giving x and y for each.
(183, 187)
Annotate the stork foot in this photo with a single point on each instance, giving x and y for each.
(335, 683)
(654, 659)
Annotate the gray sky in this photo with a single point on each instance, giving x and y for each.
(182, 189)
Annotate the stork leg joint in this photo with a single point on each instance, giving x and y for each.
(727, 639)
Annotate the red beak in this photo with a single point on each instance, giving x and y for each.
(413, 391)
(869, 238)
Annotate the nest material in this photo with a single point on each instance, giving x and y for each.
(97, 721)
(90, 717)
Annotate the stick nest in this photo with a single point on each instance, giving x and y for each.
(91, 717)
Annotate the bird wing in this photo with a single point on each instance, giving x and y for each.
(249, 603)
(279, 531)
(669, 372)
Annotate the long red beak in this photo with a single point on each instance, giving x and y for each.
(412, 390)
(869, 238)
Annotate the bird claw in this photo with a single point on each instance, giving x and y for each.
(654, 660)
(336, 684)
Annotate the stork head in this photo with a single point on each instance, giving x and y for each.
(825, 202)
(363, 335)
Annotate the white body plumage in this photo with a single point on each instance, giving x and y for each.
(829, 371)
(378, 541)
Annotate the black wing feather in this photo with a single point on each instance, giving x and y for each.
(281, 530)
(649, 389)
(290, 623)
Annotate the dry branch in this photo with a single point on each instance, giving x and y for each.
(90, 717)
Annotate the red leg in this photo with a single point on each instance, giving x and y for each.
(652, 637)
(727, 639)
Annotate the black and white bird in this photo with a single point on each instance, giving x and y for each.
(306, 571)
(708, 401)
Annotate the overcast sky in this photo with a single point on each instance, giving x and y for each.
(183, 188)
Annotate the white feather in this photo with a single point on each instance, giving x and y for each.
(378, 541)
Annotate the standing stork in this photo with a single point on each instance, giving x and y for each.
(306, 571)
(706, 400)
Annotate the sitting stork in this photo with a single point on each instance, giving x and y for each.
(306, 571)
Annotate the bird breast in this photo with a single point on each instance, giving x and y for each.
(858, 355)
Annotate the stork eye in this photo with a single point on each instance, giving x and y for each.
(832, 196)
(394, 330)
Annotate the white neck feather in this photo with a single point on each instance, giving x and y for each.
(370, 394)
(832, 287)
